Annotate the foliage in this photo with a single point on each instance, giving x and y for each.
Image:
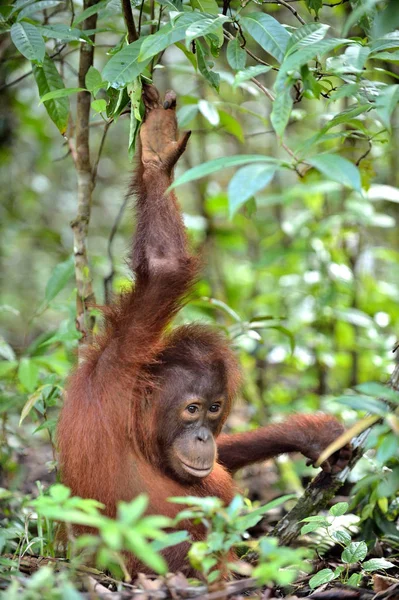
(290, 187)
(352, 553)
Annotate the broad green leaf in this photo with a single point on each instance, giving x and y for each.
(236, 56)
(354, 552)
(28, 373)
(144, 551)
(231, 125)
(359, 11)
(6, 350)
(341, 536)
(171, 539)
(130, 512)
(281, 111)
(388, 42)
(36, 7)
(186, 114)
(212, 78)
(29, 41)
(48, 79)
(323, 576)
(378, 390)
(307, 34)
(59, 278)
(246, 182)
(62, 93)
(93, 80)
(339, 509)
(375, 564)
(248, 73)
(206, 6)
(267, 32)
(209, 111)
(218, 164)
(314, 5)
(124, 67)
(29, 404)
(99, 105)
(204, 27)
(168, 34)
(92, 10)
(364, 403)
(386, 103)
(62, 32)
(337, 169)
(294, 61)
(309, 527)
(136, 114)
(388, 448)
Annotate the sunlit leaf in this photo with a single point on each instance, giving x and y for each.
(62, 93)
(354, 552)
(337, 169)
(28, 373)
(267, 32)
(248, 181)
(48, 79)
(123, 67)
(59, 278)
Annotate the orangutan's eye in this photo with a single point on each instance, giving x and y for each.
(214, 408)
(192, 409)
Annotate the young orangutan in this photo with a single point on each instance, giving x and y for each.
(145, 409)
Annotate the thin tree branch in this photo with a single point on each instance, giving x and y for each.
(129, 21)
(85, 295)
(293, 10)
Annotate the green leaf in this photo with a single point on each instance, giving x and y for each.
(36, 7)
(59, 278)
(170, 539)
(48, 79)
(168, 34)
(246, 182)
(280, 115)
(250, 520)
(267, 32)
(205, 26)
(314, 5)
(378, 391)
(231, 125)
(337, 169)
(29, 41)
(145, 552)
(99, 105)
(248, 73)
(62, 32)
(218, 164)
(28, 374)
(209, 111)
(212, 78)
(354, 580)
(339, 509)
(375, 564)
(309, 527)
(207, 6)
(386, 103)
(294, 61)
(355, 552)
(29, 404)
(92, 10)
(365, 403)
(186, 114)
(124, 67)
(307, 34)
(6, 350)
(342, 536)
(236, 56)
(62, 93)
(388, 448)
(323, 576)
(93, 80)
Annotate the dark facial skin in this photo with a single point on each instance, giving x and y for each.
(192, 418)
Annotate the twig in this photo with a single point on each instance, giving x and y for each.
(324, 487)
(80, 225)
(129, 21)
(293, 10)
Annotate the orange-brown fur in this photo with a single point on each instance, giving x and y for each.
(109, 425)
